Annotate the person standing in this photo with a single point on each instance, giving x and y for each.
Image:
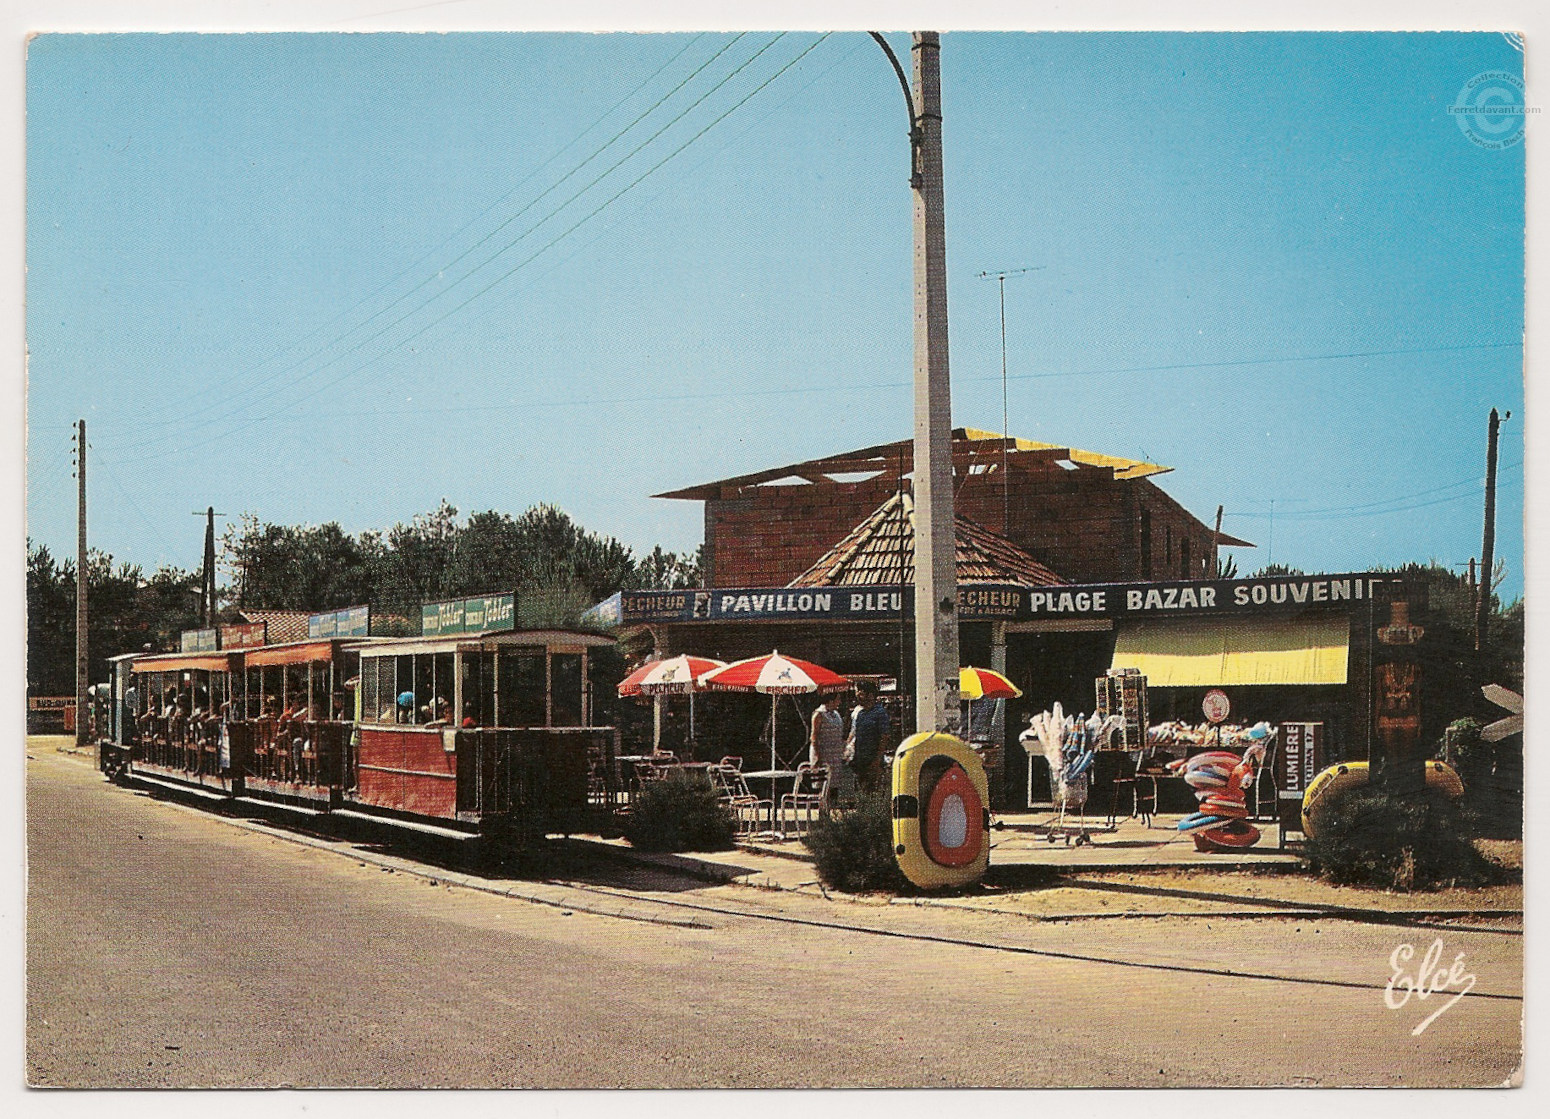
(826, 747)
(869, 731)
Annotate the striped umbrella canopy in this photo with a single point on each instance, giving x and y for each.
(677, 675)
(630, 685)
(986, 683)
(774, 675)
(671, 676)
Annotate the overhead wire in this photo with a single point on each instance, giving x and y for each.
(646, 202)
(295, 382)
(464, 228)
(521, 264)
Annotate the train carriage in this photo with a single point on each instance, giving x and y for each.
(489, 733)
(468, 734)
(291, 730)
(170, 709)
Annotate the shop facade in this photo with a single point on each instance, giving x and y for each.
(1285, 649)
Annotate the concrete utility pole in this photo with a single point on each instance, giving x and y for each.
(81, 670)
(936, 576)
(1488, 544)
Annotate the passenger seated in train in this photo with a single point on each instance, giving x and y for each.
(437, 712)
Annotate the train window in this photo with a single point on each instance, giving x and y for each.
(566, 680)
(521, 688)
(368, 687)
(387, 689)
(478, 689)
(442, 686)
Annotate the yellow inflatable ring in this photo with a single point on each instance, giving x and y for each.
(1344, 776)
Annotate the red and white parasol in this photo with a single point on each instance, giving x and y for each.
(774, 675)
(672, 676)
(678, 675)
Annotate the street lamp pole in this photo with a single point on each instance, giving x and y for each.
(936, 576)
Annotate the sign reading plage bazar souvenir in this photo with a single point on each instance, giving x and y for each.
(979, 602)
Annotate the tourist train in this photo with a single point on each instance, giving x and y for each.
(465, 732)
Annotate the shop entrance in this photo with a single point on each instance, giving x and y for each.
(1050, 667)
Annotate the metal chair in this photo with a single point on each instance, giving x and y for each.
(732, 791)
(809, 795)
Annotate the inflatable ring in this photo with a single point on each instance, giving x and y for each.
(1198, 820)
(1342, 777)
(1230, 838)
(1215, 757)
(922, 764)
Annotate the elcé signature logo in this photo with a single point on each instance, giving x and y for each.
(1426, 982)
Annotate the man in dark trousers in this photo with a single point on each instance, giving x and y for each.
(870, 730)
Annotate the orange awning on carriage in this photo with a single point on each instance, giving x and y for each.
(220, 662)
(306, 652)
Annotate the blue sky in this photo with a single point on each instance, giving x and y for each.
(1271, 261)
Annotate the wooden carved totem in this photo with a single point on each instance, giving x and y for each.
(1401, 764)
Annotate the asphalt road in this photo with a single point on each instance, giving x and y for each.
(167, 947)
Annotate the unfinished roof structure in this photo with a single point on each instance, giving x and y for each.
(1091, 517)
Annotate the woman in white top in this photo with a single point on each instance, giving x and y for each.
(826, 747)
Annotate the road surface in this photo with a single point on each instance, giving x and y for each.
(170, 947)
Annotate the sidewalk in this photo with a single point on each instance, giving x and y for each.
(1024, 840)
(1130, 876)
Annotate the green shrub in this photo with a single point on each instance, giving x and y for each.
(680, 813)
(853, 851)
(1371, 837)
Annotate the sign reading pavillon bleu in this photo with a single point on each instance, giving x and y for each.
(352, 621)
(479, 614)
(981, 602)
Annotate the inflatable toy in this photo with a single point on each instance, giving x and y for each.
(941, 811)
(1340, 778)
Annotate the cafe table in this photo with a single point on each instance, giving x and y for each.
(774, 777)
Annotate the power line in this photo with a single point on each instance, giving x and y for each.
(1262, 361)
(868, 386)
(1401, 504)
(466, 252)
(523, 263)
(445, 242)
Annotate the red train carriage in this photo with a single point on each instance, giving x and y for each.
(486, 733)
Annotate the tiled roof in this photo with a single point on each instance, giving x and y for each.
(880, 551)
(282, 625)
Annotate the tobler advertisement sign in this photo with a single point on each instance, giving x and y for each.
(980, 602)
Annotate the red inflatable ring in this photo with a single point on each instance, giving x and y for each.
(955, 820)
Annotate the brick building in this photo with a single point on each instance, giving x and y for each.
(1090, 518)
(1070, 563)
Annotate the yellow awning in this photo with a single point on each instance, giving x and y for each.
(1215, 652)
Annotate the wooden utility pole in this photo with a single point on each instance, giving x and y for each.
(1488, 544)
(1216, 543)
(936, 583)
(207, 583)
(81, 668)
